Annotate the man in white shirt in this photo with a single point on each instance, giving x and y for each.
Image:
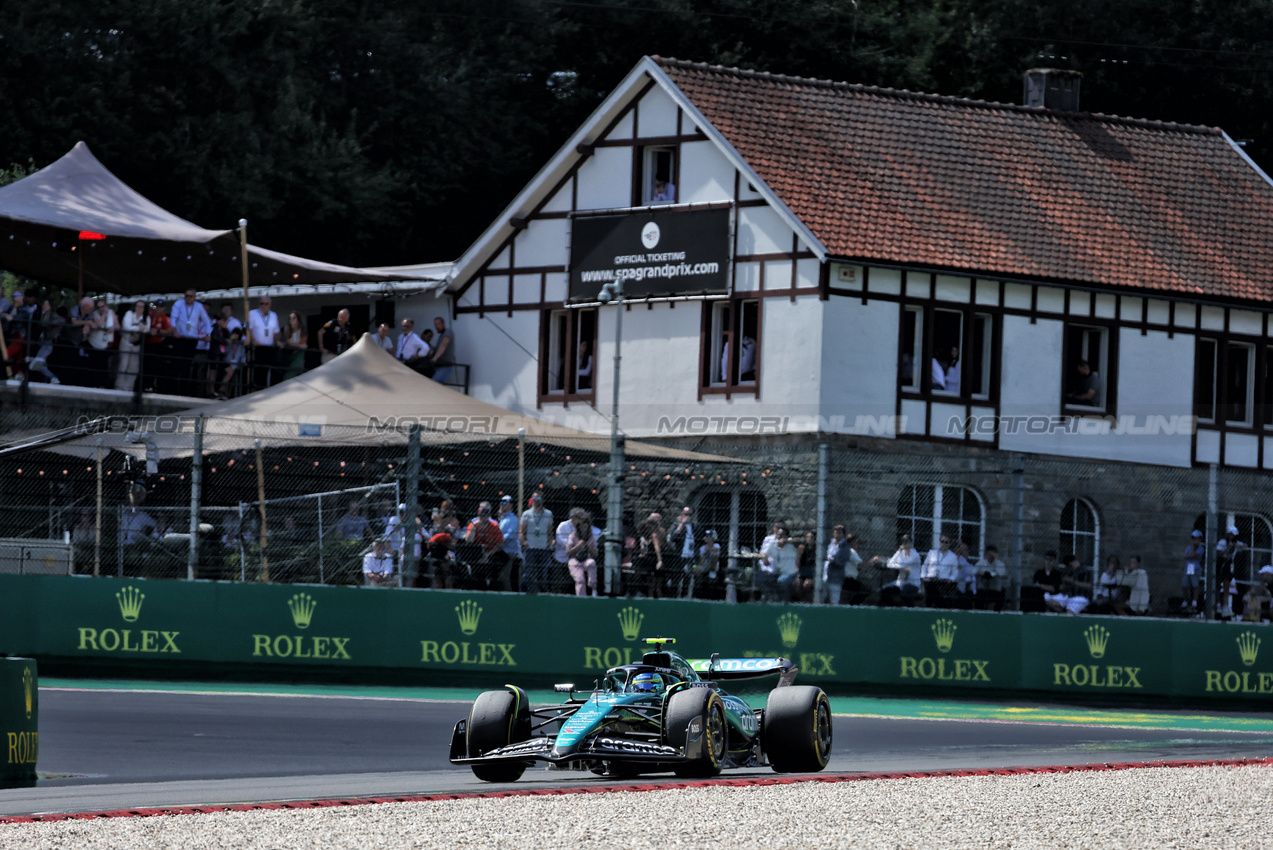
(263, 327)
(940, 571)
(412, 350)
(536, 533)
(191, 327)
(384, 338)
(992, 590)
(779, 567)
(377, 565)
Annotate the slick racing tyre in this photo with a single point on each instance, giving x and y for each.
(796, 733)
(704, 705)
(498, 718)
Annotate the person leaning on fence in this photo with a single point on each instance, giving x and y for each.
(1191, 582)
(483, 532)
(442, 544)
(1074, 592)
(835, 567)
(377, 565)
(581, 549)
(536, 533)
(779, 566)
(940, 571)
(992, 584)
(647, 560)
(905, 590)
(708, 576)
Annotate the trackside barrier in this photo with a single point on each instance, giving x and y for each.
(19, 721)
(85, 620)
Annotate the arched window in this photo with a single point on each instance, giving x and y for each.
(1081, 533)
(715, 508)
(926, 511)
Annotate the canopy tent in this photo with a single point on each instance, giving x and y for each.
(51, 221)
(363, 397)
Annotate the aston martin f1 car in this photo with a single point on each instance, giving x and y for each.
(657, 716)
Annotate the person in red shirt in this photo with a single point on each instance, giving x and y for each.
(483, 531)
(441, 546)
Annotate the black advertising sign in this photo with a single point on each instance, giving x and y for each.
(657, 252)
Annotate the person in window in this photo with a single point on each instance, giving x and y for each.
(939, 371)
(746, 363)
(952, 371)
(1086, 386)
(583, 373)
(664, 191)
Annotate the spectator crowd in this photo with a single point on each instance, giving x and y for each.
(188, 348)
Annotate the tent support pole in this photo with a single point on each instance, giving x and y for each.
(249, 347)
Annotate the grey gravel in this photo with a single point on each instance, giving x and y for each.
(1213, 807)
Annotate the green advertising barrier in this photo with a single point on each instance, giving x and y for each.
(19, 720)
(351, 631)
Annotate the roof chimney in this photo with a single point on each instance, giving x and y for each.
(1053, 88)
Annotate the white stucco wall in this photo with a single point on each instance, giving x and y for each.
(859, 366)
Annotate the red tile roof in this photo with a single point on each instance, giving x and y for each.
(997, 189)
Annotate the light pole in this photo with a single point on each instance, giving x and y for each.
(614, 514)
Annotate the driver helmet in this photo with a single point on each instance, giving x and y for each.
(647, 683)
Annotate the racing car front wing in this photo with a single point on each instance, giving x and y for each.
(601, 747)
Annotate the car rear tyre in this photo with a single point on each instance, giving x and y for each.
(704, 705)
(797, 729)
(498, 718)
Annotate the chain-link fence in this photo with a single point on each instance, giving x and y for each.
(321, 495)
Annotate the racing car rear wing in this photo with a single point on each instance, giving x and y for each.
(724, 669)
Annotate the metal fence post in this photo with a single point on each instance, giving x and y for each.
(823, 467)
(1211, 593)
(1018, 532)
(321, 542)
(196, 493)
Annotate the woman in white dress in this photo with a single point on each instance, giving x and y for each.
(136, 326)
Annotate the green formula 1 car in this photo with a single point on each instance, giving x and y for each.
(664, 714)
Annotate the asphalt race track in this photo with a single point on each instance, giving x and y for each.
(114, 749)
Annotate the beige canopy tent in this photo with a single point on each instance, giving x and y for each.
(74, 223)
(363, 397)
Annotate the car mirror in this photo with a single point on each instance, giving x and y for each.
(565, 688)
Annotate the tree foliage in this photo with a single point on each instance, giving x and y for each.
(365, 132)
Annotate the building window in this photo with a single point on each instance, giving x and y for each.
(1225, 382)
(715, 509)
(947, 352)
(1081, 532)
(725, 365)
(1089, 370)
(927, 511)
(656, 177)
(1239, 383)
(569, 364)
(1204, 392)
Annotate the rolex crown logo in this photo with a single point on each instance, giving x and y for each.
(1248, 647)
(1097, 637)
(130, 599)
(944, 634)
(27, 681)
(630, 620)
(789, 627)
(469, 613)
(302, 606)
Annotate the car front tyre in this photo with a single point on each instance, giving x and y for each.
(493, 723)
(796, 732)
(683, 709)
